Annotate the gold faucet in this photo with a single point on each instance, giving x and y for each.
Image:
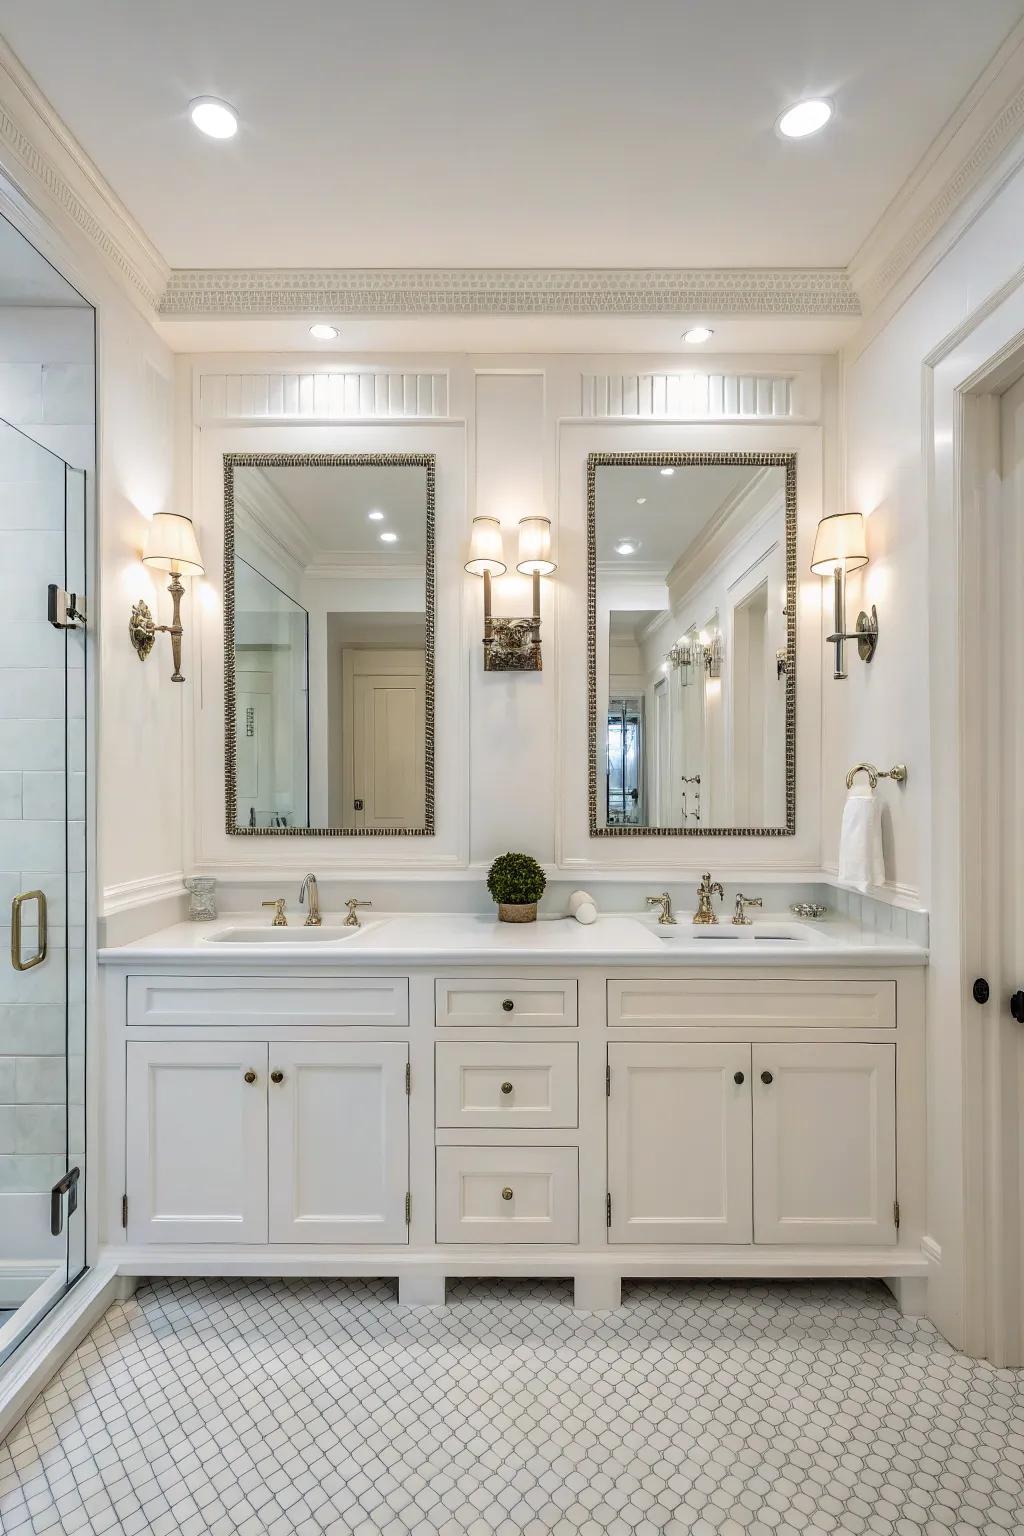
(280, 921)
(707, 888)
(664, 901)
(352, 921)
(740, 917)
(309, 884)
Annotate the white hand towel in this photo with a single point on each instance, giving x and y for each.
(583, 907)
(860, 841)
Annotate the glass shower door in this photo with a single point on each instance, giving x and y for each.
(42, 869)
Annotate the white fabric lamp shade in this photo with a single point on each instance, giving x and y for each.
(171, 545)
(535, 547)
(486, 554)
(840, 540)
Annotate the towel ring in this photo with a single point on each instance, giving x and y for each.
(898, 773)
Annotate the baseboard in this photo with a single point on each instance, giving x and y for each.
(43, 1353)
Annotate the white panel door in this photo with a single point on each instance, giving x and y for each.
(679, 1143)
(824, 1143)
(197, 1142)
(339, 1142)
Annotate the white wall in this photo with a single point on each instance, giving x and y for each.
(515, 440)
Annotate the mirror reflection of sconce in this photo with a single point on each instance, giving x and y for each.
(171, 546)
(840, 546)
(713, 649)
(511, 644)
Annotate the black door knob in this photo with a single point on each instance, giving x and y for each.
(1017, 1006)
(508, 1005)
(980, 990)
(766, 1077)
(737, 1077)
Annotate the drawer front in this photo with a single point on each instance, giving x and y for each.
(507, 1084)
(507, 1002)
(164, 1002)
(507, 1195)
(752, 1003)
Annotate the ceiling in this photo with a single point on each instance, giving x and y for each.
(333, 503)
(675, 511)
(472, 133)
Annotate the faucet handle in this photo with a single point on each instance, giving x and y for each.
(278, 904)
(352, 903)
(742, 902)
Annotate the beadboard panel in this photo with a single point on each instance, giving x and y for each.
(356, 393)
(685, 395)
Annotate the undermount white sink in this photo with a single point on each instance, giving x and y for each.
(289, 935)
(725, 932)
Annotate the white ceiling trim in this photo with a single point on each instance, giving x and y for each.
(57, 177)
(513, 291)
(360, 394)
(678, 395)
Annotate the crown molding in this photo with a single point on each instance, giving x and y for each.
(979, 146)
(58, 179)
(385, 292)
(271, 519)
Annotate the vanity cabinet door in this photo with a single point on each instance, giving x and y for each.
(197, 1141)
(679, 1143)
(824, 1143)
(339, 1142)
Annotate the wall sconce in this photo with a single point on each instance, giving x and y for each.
(170, 546)
(511, 645)
(714, 655)
(840, 546)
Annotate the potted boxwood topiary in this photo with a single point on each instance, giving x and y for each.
(516, 881)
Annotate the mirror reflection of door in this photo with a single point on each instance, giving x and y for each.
(626, 799)
(382, 711)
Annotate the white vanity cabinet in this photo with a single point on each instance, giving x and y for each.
(246, 1141)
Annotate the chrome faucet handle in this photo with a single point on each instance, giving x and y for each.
(352, 921)
(664, 901)
(278, 904)
(742, 903)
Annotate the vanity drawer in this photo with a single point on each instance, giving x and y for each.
(507, 1195)
(506, 1002)
(747, 1003)
(163, 1002)
(503, 1085)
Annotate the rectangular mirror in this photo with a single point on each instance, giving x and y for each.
(691, 643)
(329, 643)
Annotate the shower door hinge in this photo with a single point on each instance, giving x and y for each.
(896, 1213)
(608, 1210)
(124, 1211)
(65, 610)
(408, 1077)
(608, 1081)
(408, 1207)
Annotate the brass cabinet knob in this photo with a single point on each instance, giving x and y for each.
(766, 1077)
(506, 1087)
(506, 1193)
(276, 1076)
(250, 1076)
(508, 1005)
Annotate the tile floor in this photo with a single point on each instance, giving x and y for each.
(215, 1406)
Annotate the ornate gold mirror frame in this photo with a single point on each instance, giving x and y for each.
(785, 461)
(233, 461)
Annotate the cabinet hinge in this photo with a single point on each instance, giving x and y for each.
(408, 1207)
(896, 1213)
(608, 1210)
(124, 1211)
(408, 1077)
(608, 1081)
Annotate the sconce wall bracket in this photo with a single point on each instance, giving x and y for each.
(142, 629)
(512, 645)
(867, 634)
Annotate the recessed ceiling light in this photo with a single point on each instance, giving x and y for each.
(375, 517)
(625, 547)
(323, 332)
(389, 538)
(641, 500)
(804, 118)
(668, 471)
(217, 119)
(698, 333)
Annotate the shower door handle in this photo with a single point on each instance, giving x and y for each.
(68, 1185)
(40, 954)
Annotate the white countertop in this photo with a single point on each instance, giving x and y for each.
(436, 938)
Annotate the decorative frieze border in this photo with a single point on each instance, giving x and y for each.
(510, 291)
(679, 395)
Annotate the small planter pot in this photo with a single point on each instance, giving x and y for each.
(511, 912)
